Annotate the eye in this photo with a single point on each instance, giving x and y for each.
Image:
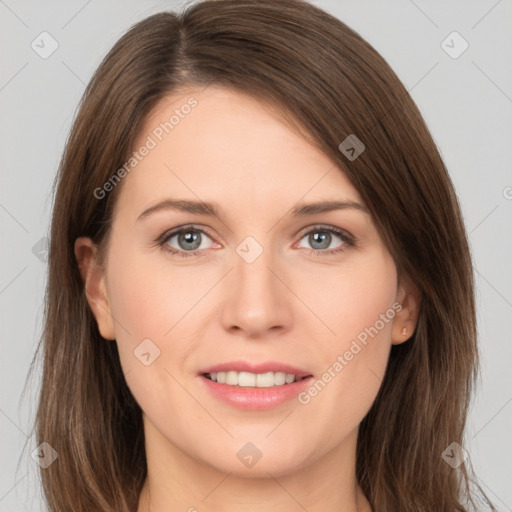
(188, 239)
(321, 237)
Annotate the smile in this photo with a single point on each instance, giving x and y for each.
(248, 379)
(254, 392)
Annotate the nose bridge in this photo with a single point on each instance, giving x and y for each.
(256, 296)
(252, 274)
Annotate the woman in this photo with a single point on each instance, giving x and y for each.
(314, 348)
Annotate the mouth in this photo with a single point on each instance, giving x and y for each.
(254, 386)
(254, 380)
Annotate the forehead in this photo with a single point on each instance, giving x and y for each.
(221, 145)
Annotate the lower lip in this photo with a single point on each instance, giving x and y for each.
(253, 398)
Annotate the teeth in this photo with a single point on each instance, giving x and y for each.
(290, 378)
(232, 378)
(247, 379)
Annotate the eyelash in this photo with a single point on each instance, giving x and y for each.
(345, 237)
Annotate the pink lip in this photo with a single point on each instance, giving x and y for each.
(243, 366)
(252, 398)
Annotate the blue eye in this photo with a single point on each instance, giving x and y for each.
(190, 241)
(188, 238)
(323, 241)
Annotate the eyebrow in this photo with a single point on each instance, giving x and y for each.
(214, 210)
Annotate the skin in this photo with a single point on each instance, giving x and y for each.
(288, 305)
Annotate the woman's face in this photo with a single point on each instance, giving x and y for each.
(258, 284)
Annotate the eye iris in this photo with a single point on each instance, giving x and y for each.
(189, 237)
(320, 236)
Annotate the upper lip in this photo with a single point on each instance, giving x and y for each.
(244, 366)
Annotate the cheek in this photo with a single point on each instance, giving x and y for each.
(348, 298)
(357, 305)
(150, 296)
(148, 299)
(153, 300)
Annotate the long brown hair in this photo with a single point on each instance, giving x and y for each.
(330, 84)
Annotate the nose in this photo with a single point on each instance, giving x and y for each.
(257, 299)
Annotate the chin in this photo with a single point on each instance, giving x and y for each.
(249, 461)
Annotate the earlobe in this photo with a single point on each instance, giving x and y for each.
(405, 321)
(93, 279)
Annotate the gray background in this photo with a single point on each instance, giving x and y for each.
(467, 104)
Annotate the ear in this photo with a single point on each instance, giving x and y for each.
(405, 321)
(93, 277)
